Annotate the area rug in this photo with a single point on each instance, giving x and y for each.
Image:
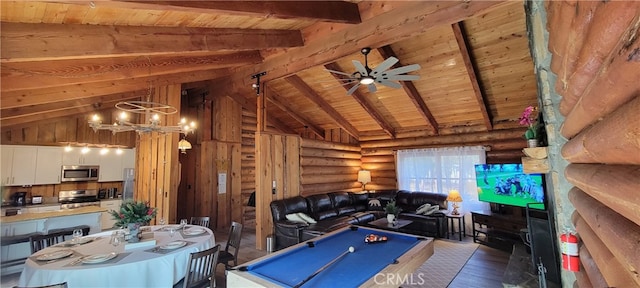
(447, 260)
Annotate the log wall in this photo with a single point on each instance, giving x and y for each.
(596, 57)
(248, 167)
(328, 167)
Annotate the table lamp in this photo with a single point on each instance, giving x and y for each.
(364, 176)
(454, 196)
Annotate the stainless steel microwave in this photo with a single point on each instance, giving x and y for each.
(79, 173)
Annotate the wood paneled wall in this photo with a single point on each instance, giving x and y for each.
(596, 57)
(277, 162)
(157, 167)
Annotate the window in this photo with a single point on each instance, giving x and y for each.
(440, 170)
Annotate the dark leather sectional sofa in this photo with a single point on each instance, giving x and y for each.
(335, 210)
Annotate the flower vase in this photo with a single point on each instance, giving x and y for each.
(134, 232)
(391, 218)
(532, 143)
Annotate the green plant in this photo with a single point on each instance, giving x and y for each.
(392, 208)
(133, 212)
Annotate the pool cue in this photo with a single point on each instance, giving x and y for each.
(350, 250)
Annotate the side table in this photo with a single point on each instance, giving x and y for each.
(461, 226)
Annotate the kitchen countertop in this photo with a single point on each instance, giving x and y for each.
(51, 214)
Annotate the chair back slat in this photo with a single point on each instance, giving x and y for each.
(200, 221)
(201, 269)
(39, 242)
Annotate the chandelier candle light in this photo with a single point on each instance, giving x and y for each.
(152, 123)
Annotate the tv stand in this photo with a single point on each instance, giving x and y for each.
(497, 230)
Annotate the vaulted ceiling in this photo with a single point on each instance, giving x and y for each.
(64, 58)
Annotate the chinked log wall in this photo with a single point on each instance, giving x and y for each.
(596, 57)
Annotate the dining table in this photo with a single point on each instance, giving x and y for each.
(159, 259)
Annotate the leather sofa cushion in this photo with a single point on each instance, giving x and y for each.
(364, 217)
(360, 201)
(410, 201)
(279, 209)
(321, 206)
(342, 202)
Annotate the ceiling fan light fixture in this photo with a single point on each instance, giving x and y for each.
(366, 80)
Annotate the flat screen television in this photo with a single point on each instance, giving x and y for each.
(507, 184)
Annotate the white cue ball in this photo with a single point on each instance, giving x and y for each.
(351, 249)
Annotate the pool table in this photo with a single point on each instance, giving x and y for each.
(377, 264)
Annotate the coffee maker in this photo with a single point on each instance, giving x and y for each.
(19, 199)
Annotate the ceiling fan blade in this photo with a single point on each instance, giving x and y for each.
(353, 89)
(386, 64)
(402, 70)
(372, 88)
(359, 67)
(389, 83)
(338, 72)
(401, 77)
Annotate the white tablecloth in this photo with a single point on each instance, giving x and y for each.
(139, 268)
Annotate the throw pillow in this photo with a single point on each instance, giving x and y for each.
(307, 218)
(294, 217)
(432, 209)
(375, 205)
(423, 208)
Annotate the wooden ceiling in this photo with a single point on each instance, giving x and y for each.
(64, 58)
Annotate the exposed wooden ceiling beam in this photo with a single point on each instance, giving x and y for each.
(276, 100)
(308, 92)
(33, 75)
(72, 110)
(458, 32)
(23, 41)
(386, 52)
(398, 24)
(98, 102)
(23, 98)
(361, 99)
(326, 11)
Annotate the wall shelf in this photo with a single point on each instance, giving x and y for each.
(537, 161)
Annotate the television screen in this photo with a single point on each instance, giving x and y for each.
(507, 184)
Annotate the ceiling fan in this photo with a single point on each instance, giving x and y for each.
(367, 76)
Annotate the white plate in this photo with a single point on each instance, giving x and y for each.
(173, 245)
(85, 240)
(175, 227)
(98, 258)
(194, 231)
(54, 255)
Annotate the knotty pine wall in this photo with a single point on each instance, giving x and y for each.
(595, 49)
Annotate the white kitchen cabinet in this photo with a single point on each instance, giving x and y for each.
(18, 165)
(111, 167)
(48, 165)
(77, 157)
(129, 158)
(106, 220)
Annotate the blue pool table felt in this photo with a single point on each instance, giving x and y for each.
(290, 268)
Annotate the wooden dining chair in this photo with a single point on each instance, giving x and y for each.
(230, 252)
(39, 242)
(201, 269)
(200, 221)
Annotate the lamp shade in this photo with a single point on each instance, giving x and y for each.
(364, 176)
(184, 145)
(454, 196)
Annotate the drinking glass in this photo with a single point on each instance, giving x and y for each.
(183, 224)
(162, 221)
(115, 240)
(77, 233)
(172, 231)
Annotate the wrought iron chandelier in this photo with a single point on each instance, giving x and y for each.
(151, 112)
